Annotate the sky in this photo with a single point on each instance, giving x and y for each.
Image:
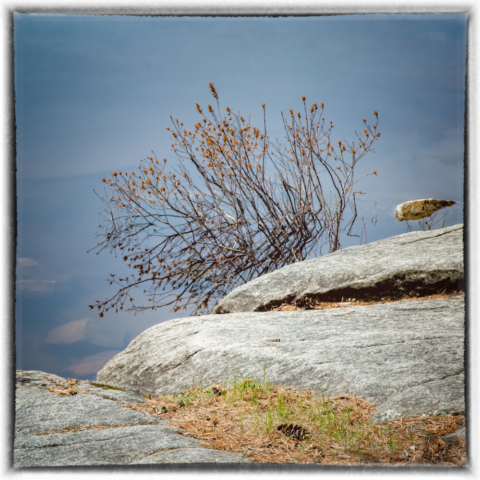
(93, 94)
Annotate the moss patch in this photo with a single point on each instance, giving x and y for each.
(106, 387)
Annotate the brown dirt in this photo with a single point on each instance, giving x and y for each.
(316, 305)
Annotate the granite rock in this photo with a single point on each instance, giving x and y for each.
(192, 455)
(407, 357)
(93, 426)
(420, 262)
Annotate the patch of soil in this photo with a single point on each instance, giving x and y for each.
(311, 304)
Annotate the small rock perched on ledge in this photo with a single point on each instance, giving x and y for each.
(417, 209)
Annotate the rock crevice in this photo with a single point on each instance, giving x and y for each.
(392, 268)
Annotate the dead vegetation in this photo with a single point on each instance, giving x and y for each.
(275, 424)
(313, 304)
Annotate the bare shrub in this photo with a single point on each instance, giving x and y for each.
(251, 206)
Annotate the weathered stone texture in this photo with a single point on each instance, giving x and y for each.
(130, 437)
(192, 455)
(406, 357)
(423, 262)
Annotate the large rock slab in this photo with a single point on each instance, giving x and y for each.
(111, 434)
(407, 357)
(422, 262)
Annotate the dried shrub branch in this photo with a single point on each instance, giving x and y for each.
(250, 206)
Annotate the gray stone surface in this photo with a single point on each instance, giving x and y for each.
(131, 435)
(424, 262)
(459, 433)
(37, 378)
(113, 446)
(192, 455)
(37, 411)
(406, 357)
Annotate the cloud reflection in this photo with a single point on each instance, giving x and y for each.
(87, 330)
